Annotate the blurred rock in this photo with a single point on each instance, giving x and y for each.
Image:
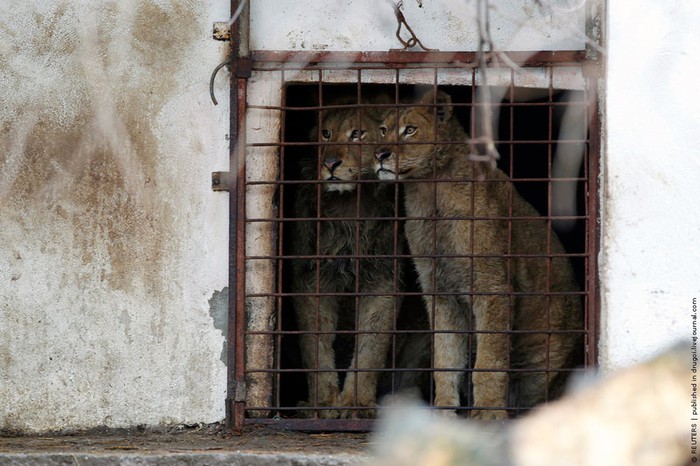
(639, 416)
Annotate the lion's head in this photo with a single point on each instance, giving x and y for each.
(402, 154)
(350, 136)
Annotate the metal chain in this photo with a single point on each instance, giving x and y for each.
(413, 40)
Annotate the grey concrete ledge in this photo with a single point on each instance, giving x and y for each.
(178, 459)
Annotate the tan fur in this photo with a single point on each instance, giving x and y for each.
(337, 271)
(500, 312)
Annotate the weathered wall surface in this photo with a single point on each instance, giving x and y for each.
(650, 267)
(111, 242)
(448, 25)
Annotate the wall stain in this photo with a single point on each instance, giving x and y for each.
(90, 156)
(218, 310)
(101, 203)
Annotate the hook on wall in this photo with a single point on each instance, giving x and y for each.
(222, 31)
(213, 76)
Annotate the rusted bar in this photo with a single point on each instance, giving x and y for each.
(316, 425)
(509, 369)
(239, 368)
(235, 399)
(432, 293)
(593, 227)
(523, 58)
(405, 332)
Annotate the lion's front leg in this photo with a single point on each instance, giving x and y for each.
(376, 314)
(318, 319)
(450, 354)
(490, 379)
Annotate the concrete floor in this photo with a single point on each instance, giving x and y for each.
(205, 445)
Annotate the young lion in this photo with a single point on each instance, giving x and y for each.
(336, 238)
(502, 293)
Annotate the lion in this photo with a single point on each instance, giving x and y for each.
(488, 283)
(340, 220)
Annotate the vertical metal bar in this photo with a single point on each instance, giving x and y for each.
(277, 362)
(317, 261)
(550, 223)
(358, 248)
(474, 109)
(235, 399)
(434, 220)
(240, 188)
(592, 225)
(232, 261)
(509, 262)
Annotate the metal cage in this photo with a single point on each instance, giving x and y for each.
(548, 158)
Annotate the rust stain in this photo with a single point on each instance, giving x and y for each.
(81, 158)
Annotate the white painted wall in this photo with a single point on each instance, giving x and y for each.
(111, 240)
(447, 25)
(650, 260)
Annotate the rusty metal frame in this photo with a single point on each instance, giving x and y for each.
(241, 65)
(235, 387)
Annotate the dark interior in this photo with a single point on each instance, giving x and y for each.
(534, 116)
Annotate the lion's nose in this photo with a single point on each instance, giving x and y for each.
(332, 164)
(382, 154)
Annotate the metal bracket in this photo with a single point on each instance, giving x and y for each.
(242, 67)
(220, 181)
(222, 31)
(240, 391)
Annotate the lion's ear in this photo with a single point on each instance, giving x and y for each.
(443, 101)
(382, 112)
(444, 110)
(383, 98)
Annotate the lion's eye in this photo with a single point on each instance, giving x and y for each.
(326, 133)
(409, 130)
(357, 134)
(383, 130)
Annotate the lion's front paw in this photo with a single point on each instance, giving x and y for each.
(489, 414)
(366, 406)
(319, 411)
(360, 413)
(446, 413)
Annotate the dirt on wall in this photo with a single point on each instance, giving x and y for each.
(80, 132)
(111, 237)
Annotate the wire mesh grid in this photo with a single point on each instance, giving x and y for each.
(372, 285)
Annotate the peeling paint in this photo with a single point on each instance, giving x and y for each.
(218, 310)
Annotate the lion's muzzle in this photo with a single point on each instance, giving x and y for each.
(382, 163)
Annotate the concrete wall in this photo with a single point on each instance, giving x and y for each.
(112, 244)
(650, 261)
(448, 25)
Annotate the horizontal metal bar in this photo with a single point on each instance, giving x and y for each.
(312, 425)
(376, 219)
(416, 256)
(304, 59)
(416, 143)
(466, 370)
(423, 293)
(397, 105)
(415, 332)
(375, 181)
